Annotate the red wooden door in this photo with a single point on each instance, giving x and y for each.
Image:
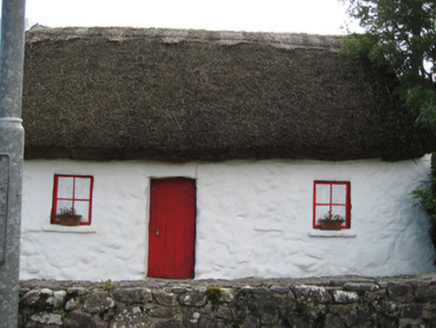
(172, 228)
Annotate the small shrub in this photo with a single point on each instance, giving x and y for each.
(107, 285)
(425, 194)
(214, 294)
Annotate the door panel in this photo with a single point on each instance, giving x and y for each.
(172, 228)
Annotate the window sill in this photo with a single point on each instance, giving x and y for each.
(64, 229)
(345, 233)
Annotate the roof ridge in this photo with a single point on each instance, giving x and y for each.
(283, 40)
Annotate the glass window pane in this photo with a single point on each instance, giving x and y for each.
(339, 194)
(63, 204)
(321, 211)
(82, 208)
(340, 210)
(83, 187)
(322, 194)
(65, 187)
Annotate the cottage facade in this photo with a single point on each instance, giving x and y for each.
(195, 154)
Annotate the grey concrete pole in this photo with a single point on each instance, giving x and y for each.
(11, 157)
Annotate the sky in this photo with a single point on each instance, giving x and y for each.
(297, 16)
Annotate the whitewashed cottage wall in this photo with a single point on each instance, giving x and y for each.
(254, 218)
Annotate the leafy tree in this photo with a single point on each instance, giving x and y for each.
(400, 36)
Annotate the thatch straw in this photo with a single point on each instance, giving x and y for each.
(113, 93)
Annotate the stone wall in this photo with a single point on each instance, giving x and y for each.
(352, 301)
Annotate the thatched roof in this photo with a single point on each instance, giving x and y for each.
(182, 95)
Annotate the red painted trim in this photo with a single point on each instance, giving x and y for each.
(347, 203)
(73, 199)
(315, 226)
(54, 202)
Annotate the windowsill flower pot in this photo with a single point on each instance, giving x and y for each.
(331, 222)
(68, 217)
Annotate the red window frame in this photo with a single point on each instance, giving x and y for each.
(73, 199)
(331, 204)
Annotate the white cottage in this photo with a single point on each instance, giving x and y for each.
(195, 154)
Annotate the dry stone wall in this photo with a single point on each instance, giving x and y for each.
(407, 301)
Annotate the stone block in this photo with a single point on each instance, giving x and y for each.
(77, 291)
(373, 296)
(429, 312)
(310, 312)
(131, 317)
(193, 317)
(334, 321)
(412, 311)
(407, 323)
(57, 298)
(260, 299)
(363, 313)
(425, 292)
(225, 313)
(311, 294)
(44, 297)
(163, 297)
(71, 305)
(296, 322)
(198, 319)
(361, 286)
(250, 322)
(181, 288)
(31, 298)
(279, 289)
(269, 317)
(98, 303)
(386, 321)
(133, 295)
(193, 298)
(227, 295)
(162, 312)
(80, 320)
(400, 292)
(47, 318)
(345, 297)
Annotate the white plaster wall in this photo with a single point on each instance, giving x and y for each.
(253, 219)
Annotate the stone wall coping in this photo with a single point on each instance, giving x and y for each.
(337, 281)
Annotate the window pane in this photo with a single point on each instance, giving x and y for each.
(321, 211)
(83, 187)
(65, 187)
(339, 194)
(63, 204)
(322, 194)
(339, 210)
(82, 208)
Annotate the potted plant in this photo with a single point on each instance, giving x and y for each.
(68, 217)
(331, 222)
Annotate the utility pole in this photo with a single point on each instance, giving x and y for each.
(11, 157)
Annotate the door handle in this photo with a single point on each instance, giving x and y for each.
(157, 232)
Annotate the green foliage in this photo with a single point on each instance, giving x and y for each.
(214, 294)
(67, 211)
(422, 101)
(107, 285)
(425, 195)
(364, 47)
(400, 36)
